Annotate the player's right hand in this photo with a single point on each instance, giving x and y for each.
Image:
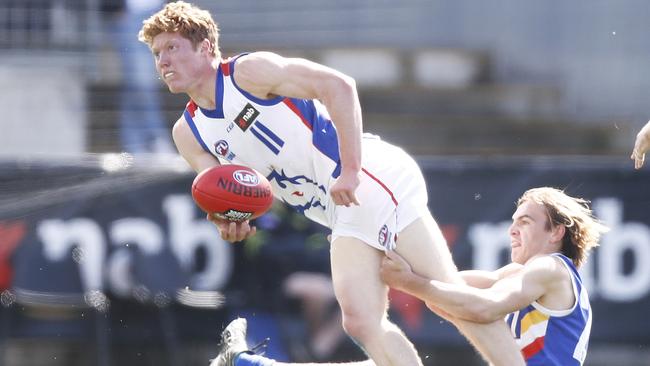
(343, 191)
(233, 231)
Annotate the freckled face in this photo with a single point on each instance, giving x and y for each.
(177, 62)
(528, 233)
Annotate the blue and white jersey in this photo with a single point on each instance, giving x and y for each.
(554, 337)
(291, 141)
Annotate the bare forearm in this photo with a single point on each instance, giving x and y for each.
(645, 131)
(460, 301)
(485, 279)
(478, 279)
(643, 138)
(345, 111)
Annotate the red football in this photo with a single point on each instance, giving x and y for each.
(232, 192)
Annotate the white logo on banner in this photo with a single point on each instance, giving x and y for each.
(188, 236)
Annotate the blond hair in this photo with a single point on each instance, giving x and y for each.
(583, 230)
(188, 20)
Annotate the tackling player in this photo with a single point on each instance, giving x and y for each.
(541, 292)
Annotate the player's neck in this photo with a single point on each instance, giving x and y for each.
(203, 93)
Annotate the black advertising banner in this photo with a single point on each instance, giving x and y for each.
(71, 229)
(106, 222)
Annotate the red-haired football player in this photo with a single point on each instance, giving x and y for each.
(299, 124)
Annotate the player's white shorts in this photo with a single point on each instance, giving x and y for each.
(392, 193)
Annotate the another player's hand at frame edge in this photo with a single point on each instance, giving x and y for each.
(641, 146)
(233, 231)
(343, 191)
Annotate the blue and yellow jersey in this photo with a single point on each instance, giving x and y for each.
(554, 337)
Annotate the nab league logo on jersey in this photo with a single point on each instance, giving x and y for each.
(221, 148)
(246, 117)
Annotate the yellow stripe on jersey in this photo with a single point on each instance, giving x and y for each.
(532, 318)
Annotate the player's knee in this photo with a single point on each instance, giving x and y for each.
(361, 326)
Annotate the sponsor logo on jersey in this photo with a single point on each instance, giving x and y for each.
(246, 117)
(384, 234)
(221, 147)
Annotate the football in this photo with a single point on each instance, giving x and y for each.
(232, 192)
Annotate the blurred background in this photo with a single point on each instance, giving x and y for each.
(105, 260)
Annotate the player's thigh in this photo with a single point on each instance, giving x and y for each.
(422, 245)
(355, 275)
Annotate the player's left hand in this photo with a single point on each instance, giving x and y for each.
(233, 231)
(343, 191)
(394, 269)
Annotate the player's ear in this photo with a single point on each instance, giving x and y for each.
(206, 46)
(557, 233)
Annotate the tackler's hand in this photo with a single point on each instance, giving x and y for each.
(343, 191)
(233, 231)
(394, 271)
